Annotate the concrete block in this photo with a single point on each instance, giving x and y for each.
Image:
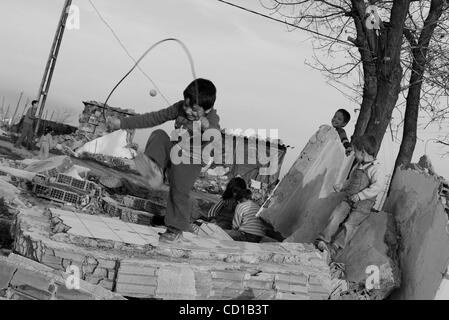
(135, 269)
(293, 288)
(133, 290)
(291, 278)
(304, 199)
(291, 296)
(229, 275)
(137, 279)
(70, 255)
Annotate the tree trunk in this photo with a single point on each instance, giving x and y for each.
(368, 54)
(419, 53)
(390, 74)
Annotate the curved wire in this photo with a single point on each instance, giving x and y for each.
(189, 56)
(122, 45)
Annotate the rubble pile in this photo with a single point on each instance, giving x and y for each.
(92, 120)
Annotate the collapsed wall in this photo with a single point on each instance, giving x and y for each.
(424, 236)
(128, 259)
(303, 201)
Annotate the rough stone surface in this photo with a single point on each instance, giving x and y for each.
(303, 201)
(374, 244)
(422, 224)
(216, 269)
(24, 279)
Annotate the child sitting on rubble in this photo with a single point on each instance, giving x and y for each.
(197, 106)
(222, 213)
(361, 189)
(245, 225)
(339, 121)
(45, 143)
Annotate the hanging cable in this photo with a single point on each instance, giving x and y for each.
(186, 50)
(127, 52)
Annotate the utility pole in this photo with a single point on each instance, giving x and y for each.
(51, 62)
(6, 113)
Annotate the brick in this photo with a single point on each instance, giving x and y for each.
(51, 260)
(230, 293)
(106, 284)
(318, 289)
(291, 296)
(138, 290)
(316, 296)
(264, 294)
(229, 275)
(108, 264)
(111, 274)
(133, 269)
(254, 284)
(314, 280)
(290, 278)
(101, 272)
(216, 284)
(137, 279)
(26, 291)
(63, 293)
(70, 255)
(282, 286)
(31, 279)
(6, 273)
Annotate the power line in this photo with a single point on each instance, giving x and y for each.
(126, 51)
(285, 22)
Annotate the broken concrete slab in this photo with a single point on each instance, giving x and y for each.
(374, 245)
(8, 191)
(21, 174)
(59, 164)
(113, 144)
(304, 199)
(221, 269)
(423, 228)
(22, 278)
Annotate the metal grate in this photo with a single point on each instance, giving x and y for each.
(144, 205)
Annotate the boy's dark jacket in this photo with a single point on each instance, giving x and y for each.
(174, 112)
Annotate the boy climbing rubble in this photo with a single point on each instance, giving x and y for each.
(361, 189)
(199, 99)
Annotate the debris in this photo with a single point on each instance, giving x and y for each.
(24, 279)
(113, 144)
(302, 202)
(130, 259)
(422, 222)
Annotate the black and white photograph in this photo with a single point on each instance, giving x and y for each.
(224, 158)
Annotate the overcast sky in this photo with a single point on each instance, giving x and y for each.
(256, 64)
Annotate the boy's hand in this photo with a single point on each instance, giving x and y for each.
(112, 123)
(354, 198)
(204, 123)
(337, 187)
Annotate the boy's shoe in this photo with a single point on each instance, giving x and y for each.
(150, 171)
(171, 235)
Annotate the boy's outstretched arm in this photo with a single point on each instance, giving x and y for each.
(151, 119)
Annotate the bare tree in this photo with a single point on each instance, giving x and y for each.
(376, 56)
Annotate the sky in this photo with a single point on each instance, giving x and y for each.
(257, 65)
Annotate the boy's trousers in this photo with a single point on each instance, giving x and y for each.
(181, 179)
(26, 134)
(354, 214)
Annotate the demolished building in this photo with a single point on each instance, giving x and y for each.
(66, 215)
